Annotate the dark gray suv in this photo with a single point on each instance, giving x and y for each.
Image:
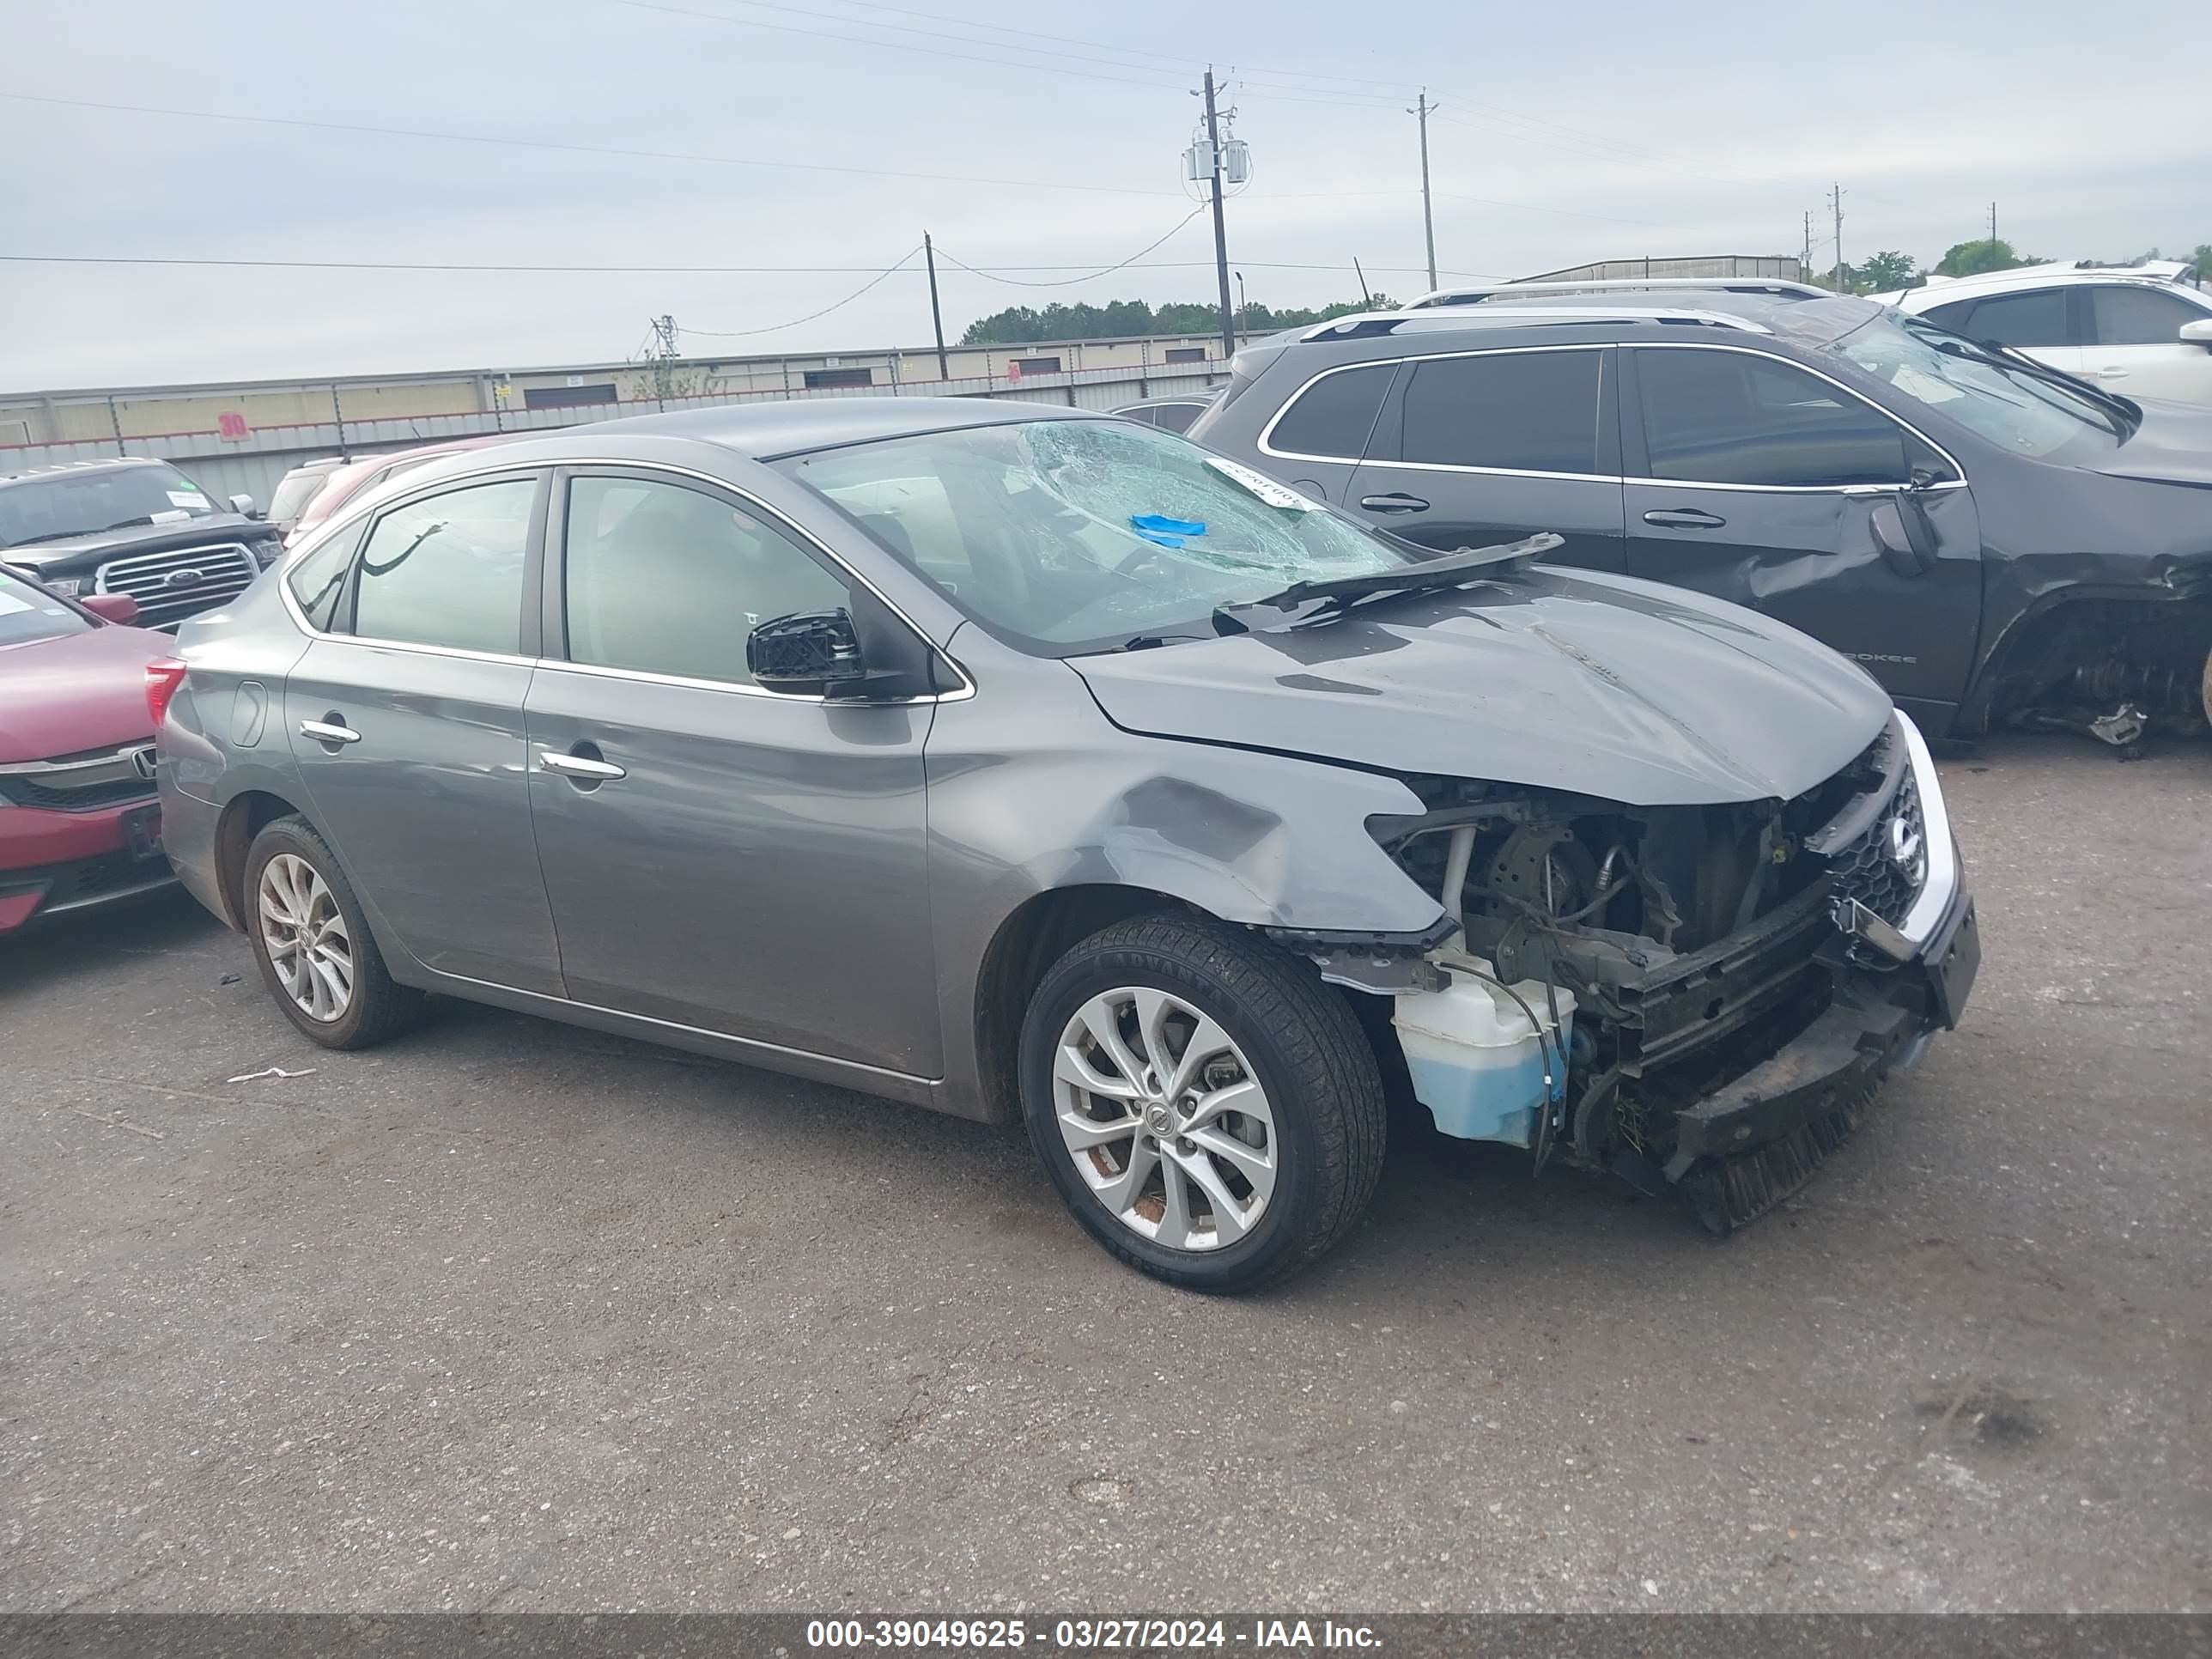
(1992, 538)
(1015, 762)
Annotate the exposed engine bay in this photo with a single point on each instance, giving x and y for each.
(1646, 960)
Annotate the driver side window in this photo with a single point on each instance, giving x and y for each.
(1744, 418)
(663, 579)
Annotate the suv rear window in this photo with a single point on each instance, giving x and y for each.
(1528, 411)
(1332, 417)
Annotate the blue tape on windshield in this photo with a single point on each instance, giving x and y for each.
(1168, 533)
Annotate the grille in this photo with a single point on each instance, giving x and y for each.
(77, 783)
(1869, 868)
(182, 582)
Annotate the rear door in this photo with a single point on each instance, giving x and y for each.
(1756, 480)
(2135, 347)
(718, 855)
(1478, 447)
(405, 723)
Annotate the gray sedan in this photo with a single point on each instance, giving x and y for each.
(1016, 761)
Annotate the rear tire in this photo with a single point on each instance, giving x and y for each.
(312, 940)
(1248, 1106)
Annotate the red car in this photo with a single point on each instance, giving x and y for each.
(345, 482)
(79, 825)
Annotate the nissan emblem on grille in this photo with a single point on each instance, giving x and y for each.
(1908, 848)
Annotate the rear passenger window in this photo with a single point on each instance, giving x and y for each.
(667, 580)
(1738, 417)
(2139, 316)
(447, 569)
(1531, 412)
(1331, 418)
(2020, 320)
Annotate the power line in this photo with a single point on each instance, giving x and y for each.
(660, 270)
(777, 328)
(1070, 282)
(564, 149)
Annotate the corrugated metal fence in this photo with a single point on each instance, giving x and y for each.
(253, 464)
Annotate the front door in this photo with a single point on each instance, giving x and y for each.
(1757, 481)
(718, 856)
(405, 723)
(1482, 448)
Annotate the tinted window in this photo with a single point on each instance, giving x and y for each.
(447, 569)
(2139, 316)
(1535, 411)
(1734, 417)
(1176, 417)
(1333, 415)
(667, 580)
(2020, 319)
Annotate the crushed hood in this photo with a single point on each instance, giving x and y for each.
(1602, 685)
(75, 692)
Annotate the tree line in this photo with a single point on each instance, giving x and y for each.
(1123, 318)
(1888, 271)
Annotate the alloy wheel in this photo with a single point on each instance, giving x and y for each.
(305, 933)
(1164, 1119)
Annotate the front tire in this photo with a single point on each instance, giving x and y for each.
(1208, 1109)
(316, 955)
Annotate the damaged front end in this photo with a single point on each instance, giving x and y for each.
(1701, 996)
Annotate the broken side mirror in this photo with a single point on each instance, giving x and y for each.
(861, 653)
(1904, 534)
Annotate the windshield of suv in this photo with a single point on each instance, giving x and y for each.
(1075, 536)
(2008, 405)
(27, 614)
(78, 501)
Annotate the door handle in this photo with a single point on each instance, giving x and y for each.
(1687, 518)
(1395, 502)
(2107, 373)
(330, 731)
(580, 766)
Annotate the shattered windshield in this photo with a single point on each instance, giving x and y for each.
(1073, 536)
(2014, 407)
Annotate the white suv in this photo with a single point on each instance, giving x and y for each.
(2143, 330)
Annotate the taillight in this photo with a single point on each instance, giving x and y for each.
(163, 676)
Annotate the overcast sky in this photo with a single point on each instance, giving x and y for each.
(1567, 134)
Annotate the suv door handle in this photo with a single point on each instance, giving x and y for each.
(1687, 518)
(580, 766)
(2106, 374)
(330, 731)
(1395, 502)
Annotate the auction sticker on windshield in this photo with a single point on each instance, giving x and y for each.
(1261, 484)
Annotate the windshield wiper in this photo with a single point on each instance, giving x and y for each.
(1340, 593)
(67, 535)
(2004, 358)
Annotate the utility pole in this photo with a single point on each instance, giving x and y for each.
(1220, 230)
(664, 359)
(1424, 109)
(1836, 203)
(1993, 221)
(1805, 265)
(936, 317)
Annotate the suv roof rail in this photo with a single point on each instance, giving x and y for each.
(1475, 293)
(1367, 324)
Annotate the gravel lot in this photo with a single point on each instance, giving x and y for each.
(509, 1315)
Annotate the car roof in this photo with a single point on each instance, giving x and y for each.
(113, 464)
(1607, 315)
(1938, 290)
(768, 430)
